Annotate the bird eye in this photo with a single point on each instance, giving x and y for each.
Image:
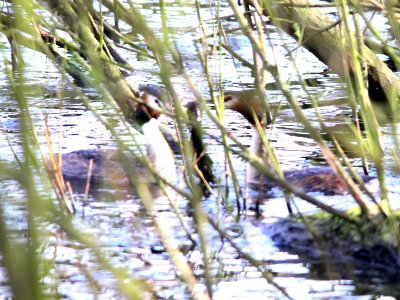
(228, 98)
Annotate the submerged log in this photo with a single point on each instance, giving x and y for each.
(341, 249)
(320, 35)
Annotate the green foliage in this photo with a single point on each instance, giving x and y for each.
(84, 41)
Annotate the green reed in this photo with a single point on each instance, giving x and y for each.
(91, 58)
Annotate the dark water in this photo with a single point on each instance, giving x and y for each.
(125, 233)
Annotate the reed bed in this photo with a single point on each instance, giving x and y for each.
(84, 41)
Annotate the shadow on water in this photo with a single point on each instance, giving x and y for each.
(370, 266)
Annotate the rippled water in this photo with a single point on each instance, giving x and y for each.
(125, 233)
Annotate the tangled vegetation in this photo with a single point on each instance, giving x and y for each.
(84, 40)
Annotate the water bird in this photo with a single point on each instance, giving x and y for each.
(313, 179)
(113, 167)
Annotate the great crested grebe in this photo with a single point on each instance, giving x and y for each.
(111, 167)
(313, 179)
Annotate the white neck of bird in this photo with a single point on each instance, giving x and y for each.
(159, 152)
(253, 176)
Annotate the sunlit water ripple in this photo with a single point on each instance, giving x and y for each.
(125, 233)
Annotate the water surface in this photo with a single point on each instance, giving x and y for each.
(117, 218)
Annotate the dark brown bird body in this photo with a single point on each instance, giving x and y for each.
(315, 179)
